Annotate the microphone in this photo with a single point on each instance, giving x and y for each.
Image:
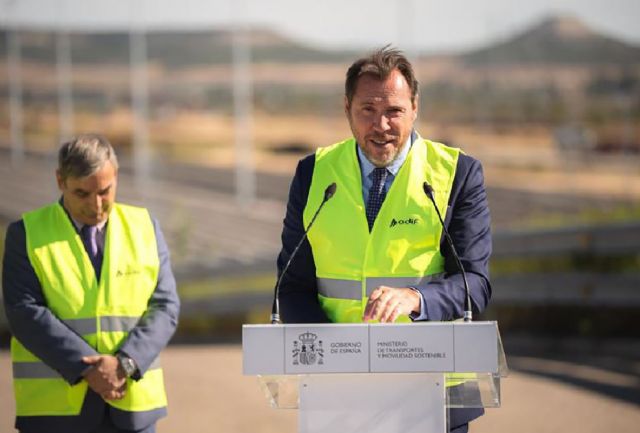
(275, 309)
(428, 190)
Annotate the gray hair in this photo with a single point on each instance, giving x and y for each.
(84, 155)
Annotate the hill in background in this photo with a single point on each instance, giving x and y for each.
(175, 49)
(557, 40)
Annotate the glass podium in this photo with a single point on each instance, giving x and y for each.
(376, 377)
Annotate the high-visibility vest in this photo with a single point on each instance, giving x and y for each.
(403, 247)
(102, 313)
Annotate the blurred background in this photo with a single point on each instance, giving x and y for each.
(210, 105)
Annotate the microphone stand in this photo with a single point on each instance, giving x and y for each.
(275, 308)
(468, 316)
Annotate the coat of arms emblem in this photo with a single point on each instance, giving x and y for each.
(307, 351)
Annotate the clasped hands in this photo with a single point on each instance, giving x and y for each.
(105, 376)
(385, 304)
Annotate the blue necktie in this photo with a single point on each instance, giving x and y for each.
(377, 193)
(88, 234)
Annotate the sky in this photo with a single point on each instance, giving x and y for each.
(419, 25)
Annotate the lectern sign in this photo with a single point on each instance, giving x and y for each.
(416, 348)
(370, 348)
(326, 349)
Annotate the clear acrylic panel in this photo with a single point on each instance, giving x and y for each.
(478, 389)
(281, 391)
(481, 391)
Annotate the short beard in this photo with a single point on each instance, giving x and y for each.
(386, 162)
(380, 163)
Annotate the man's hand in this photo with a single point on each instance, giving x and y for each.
(387, 303)
(105, 376)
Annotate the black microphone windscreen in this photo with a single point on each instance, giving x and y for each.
(428, 190)
(330, 191)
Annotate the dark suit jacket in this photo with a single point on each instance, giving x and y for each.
(40, 331)
(467, 220)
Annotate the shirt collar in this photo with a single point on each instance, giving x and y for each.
(79, 225)
(367, 167)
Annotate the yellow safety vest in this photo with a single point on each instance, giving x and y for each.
(102, 313)
(403, 248)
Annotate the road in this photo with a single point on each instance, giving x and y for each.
(207, 393)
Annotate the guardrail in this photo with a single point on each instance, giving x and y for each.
(594, 284)
(611, 239)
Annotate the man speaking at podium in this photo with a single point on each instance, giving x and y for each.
(377, 250)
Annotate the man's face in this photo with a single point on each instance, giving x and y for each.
(381, 116)
(90, 199)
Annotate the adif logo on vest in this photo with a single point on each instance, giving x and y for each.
(411, 221)
(127, 272)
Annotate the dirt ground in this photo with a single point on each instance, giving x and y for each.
(207, 393)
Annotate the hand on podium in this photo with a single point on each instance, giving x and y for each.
(387, 303)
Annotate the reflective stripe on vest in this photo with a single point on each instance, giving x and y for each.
(40, 370)
(101, 312)
(351, 289)
(107, 324)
